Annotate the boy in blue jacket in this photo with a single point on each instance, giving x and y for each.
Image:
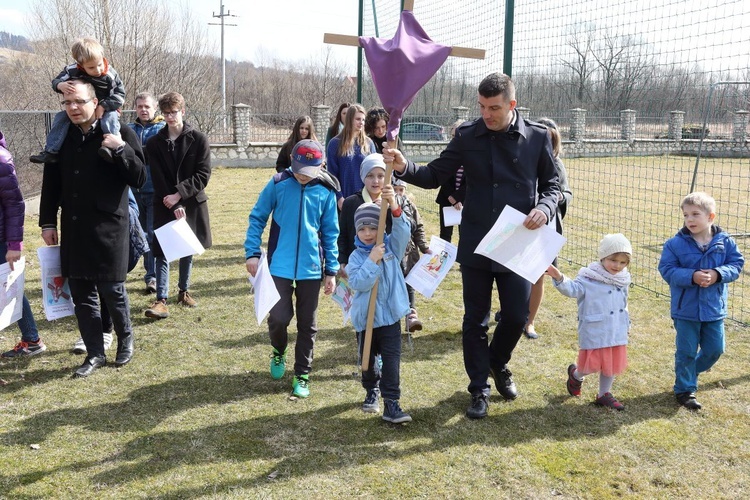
(302, 199)
(698, 262)
(382, 263)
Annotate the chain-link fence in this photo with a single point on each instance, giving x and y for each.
(628, 83)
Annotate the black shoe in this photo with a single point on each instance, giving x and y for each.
(478, 407)
(44, 157)
(687, 399)
(90, 364)
(124, 350)
(504, 383)
(393, 412)
(106, 154)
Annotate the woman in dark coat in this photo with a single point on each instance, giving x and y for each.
(180, 161)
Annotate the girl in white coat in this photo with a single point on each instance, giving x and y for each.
(603, 320)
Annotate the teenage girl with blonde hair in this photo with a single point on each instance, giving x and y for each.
(346, 151)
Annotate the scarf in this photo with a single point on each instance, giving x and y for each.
(596, 272)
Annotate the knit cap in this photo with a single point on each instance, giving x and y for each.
(307, 157)
(374, 160)
(367, 214)
(614, 243)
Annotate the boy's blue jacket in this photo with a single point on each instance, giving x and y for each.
(304, 227)
(392, 302)
(682, 256)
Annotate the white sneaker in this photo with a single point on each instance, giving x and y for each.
(80, 348)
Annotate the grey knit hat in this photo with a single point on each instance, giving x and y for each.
(375, 160)
(614, 243)
(367, 214)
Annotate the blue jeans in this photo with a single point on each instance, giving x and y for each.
(110, 123)
(146, 218)
(162, 275)
(699, 345)
(26, 324)
(386, 341)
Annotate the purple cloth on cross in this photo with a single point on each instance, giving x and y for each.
(401, 66)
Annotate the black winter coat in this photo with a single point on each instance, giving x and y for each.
(188, 175)
(93, 195)
(500, 168)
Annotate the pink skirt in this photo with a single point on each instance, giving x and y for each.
(607, 360)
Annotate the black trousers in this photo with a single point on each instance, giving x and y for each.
(479, 354)
(306, 293)
(85, 294)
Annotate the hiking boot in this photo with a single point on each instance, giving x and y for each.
(686, 399)
(301, 386)
(478, 407)
(393, 412)
(413, 323)
(23, 349)
(573, 384)
(278, 364)
(106, 154)
(371, 404)
(184, 299)
(44, 157)
(504, 383)
(609, 401)
(150, 287)
(158, 310)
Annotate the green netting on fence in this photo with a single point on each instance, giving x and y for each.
(627, 82)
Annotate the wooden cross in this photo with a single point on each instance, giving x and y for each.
(354, 41)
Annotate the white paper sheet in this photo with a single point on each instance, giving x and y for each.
(432, 268)
(177, 240)
(343, 295)
(55, 289)
(526, 252)
(11, 293)
(451, 216)
(265, 295)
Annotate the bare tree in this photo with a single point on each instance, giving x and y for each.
(580, 62)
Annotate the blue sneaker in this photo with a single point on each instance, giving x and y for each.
(371, 404)
(278, 364)
(301, 386)
(393, 412)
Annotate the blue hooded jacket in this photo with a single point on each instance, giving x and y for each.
(681, 257)
(304, 217)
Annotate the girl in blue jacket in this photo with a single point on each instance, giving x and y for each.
(603, 319)
(368, 264)
(697, 263)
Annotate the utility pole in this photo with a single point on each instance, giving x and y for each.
(221, 15)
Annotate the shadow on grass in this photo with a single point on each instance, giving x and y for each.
(319, 432)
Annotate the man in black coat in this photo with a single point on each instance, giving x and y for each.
(507, 161)
(93, 195)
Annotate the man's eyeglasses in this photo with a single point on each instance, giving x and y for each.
(77, 102)
(169, 113)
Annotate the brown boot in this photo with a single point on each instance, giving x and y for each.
(184, 299)
(158, 310)
(412, 322)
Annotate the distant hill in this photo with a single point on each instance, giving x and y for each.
(14, 42)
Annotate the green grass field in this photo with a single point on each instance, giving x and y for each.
(196, 414)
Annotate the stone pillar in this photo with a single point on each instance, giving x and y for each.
(460, 113)
(577, 124)
(241, 119)
(320, 117)
(627, 122)
(676, 122)
(739, 129)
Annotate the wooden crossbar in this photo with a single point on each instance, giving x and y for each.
(353, 41)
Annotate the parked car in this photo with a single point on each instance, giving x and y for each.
(422, 131)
